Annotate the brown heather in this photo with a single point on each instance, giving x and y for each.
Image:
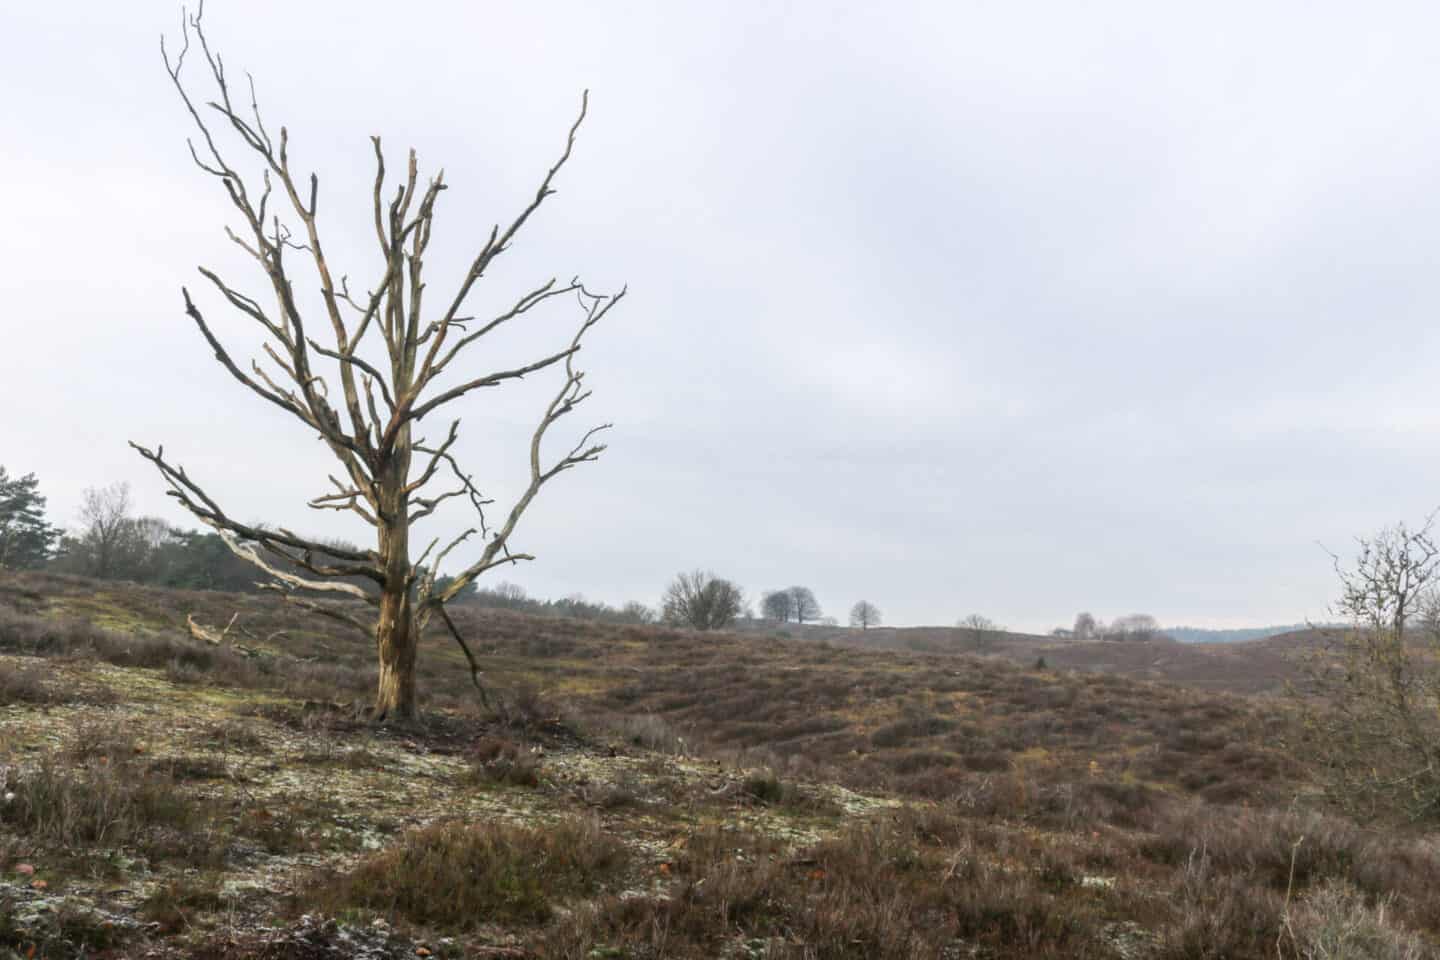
(646, 792)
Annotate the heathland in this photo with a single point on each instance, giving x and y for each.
(643, 791)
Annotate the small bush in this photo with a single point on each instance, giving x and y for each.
(98, 795)
(173, 904)
(911, 727)
(190, 768)
(1335, 923)
(1265, 850)
(1220, 917)
(228, 735)
(459, 875)
(502, 761)
(764, 788)
(1078, 805)
(67, 931)
(27, 685)
(652, 733)
(623, 792)
(894, 889)
(525, 708)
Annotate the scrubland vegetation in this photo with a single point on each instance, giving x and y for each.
(641, 791)
(221, 775)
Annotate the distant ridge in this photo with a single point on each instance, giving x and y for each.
(1238, 635)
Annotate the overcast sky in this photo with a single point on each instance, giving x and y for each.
(1018, 309)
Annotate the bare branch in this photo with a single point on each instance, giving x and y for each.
(346, 498)
(489, 380)
(290, 579)
(469, 657)
(569, 396)
(223, 356)
(326, 610)
(436, 456)
(194, 499)
(208, 634)
(498, 243)
(521, 306)
(350, 358)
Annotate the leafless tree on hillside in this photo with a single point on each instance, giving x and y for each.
(978, 631)
(864, 615)
(1377, 731)
(394, 358)
(803, 604)
(637, 612)
(777, 605)
(701, 600)
(1136, 626)
(106, 528)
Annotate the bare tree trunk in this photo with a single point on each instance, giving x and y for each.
(395, 641)
(395, 626)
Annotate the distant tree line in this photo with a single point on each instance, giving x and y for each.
(792, 603)
(110, 542)
(1136, 626)
(1236, 635)
(511, 596)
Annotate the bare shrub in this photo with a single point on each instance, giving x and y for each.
(502, 761)
(29, 684)
(651, 732)
(1220, 917)
(891, 889)
(1298, 851)
(526, 707)
(1377, 732)
(103, 797)
(701, 600)
(1336, 923)
(1078, 805)
(172, 905)
(487, 872)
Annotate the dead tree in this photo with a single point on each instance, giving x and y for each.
(389, 364)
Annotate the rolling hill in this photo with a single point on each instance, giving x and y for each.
(649, 792)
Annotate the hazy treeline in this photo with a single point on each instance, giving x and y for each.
(110, 542)
(1135, 626)
(1204, 635)
(510, 596)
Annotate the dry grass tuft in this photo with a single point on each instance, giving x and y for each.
(458, 875)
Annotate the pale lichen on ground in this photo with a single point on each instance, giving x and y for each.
(354, 788)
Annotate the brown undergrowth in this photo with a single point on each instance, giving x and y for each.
(643, 792)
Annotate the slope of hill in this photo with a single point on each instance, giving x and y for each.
(1252, 666)
(1207, 635)
(643, 792)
